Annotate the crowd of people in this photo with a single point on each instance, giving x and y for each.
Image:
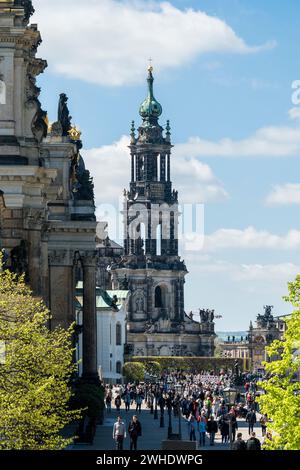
(200, 400)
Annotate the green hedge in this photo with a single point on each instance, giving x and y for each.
(134, 371)
(190, 364)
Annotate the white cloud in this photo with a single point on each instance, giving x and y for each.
(110, 167)
(265, 142)
(282, 272)
(294, 113)
(249, 238)
(285, 194)
(108, 42)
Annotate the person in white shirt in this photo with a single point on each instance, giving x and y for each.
(119, 433)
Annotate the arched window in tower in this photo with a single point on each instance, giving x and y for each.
(158, 240)
(158, 297)
(118, 334)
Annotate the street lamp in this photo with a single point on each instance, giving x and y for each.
(170, 430)
(155, 409)
(230, 394)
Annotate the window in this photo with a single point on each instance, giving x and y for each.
(118, 367)
(118, 334)
(158, 297)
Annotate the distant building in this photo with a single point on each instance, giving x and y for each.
(111, 306)
(252, 347)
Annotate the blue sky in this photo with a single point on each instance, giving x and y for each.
(209, 92)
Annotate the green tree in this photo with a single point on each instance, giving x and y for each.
(35, 371)
(281, 402)
(134, 371)
(153, 368)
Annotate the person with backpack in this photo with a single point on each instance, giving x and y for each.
(134, 431)
(253, 443)
(263, 422)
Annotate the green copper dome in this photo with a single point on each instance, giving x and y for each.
(150, 109)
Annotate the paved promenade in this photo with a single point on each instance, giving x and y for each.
(152, 434)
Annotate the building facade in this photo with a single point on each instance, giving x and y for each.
(151, 267)
(111, 332)
(47, 221)
(252, 348)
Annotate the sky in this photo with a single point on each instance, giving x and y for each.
(226, 73)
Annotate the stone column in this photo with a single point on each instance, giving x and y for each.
(61, 289)
(89, 343)
(33, 223)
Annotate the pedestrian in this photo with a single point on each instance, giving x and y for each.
(253, 443)
(134, 431)
(119, 433)
(263, 422)
(234, 425)
(224, 429)
(212, 429)
(108, 402)
(127, 401)
(118, 403)
(239, 444)
(138, 401)
(202, 430)
(192, 426)
(251, 420)
(268, 438)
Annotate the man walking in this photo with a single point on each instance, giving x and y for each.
(119, 433)
(239, 444)
(251, 420)
(253, 443)
(212, 429)
(134, 431)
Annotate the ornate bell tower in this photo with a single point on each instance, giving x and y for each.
(151, 267)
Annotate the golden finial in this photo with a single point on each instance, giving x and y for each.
(74, 133)
(150, 67)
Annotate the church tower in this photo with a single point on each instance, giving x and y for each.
(151, 267)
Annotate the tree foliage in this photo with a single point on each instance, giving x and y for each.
(134, 371)
(35, 371)
(281, 402)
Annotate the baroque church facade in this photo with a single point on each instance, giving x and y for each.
(151, 267)
(47, 221)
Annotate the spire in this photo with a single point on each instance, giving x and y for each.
(168, 133)
(150, 109)
(132, 133)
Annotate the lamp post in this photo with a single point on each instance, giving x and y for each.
(162, 418)
(179, 421)
(230, 394)
(169, 406)
(155, 409)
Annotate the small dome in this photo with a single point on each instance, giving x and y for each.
(150, 108)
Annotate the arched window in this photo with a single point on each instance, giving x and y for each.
(118, 367)
(158, 240)
(118, 334)
(158, 297)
